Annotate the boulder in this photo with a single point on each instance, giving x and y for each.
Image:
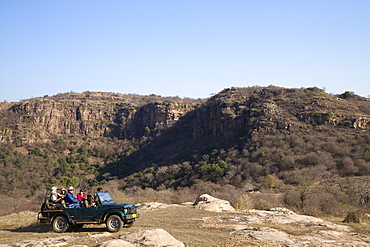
(152, 238)
(210, 203)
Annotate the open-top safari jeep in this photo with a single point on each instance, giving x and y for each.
(114, 215)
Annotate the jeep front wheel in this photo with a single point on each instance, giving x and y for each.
(114, 223)
(60, 224)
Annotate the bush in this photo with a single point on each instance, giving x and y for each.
(59, 141)
(354, 217)
(243, 203)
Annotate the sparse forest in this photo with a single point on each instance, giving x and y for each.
(258, 147)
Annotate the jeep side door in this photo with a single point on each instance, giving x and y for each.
(90, 214)
(74, 213)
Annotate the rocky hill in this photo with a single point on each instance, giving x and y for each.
(286, 140)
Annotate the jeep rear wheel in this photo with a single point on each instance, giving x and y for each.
(114, 223)
(60, 224)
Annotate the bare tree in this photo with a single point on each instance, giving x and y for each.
(309, 178)
(360, 192)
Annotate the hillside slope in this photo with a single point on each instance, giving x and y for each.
(257, 137)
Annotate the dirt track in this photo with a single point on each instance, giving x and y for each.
(182, 222)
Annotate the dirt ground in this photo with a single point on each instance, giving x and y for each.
(193, 227)
(182, 222)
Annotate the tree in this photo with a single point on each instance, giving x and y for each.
(269, 181)
(308, 179)
(67, 181)
(360, 192)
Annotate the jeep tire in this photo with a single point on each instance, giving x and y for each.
(60, 224)
(114, 223)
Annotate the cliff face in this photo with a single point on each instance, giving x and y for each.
(236, 112)
(92, 115)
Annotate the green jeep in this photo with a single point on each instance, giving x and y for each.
(114, 215)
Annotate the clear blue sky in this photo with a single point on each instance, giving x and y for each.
(181, 48)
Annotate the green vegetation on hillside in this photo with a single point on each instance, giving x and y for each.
(310, 148)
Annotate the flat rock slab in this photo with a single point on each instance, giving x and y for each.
(265, 234)
(117, 243)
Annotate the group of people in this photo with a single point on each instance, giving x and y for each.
(81, 200)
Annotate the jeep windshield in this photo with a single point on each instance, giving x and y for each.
(104, 197)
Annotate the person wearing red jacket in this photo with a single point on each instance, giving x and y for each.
(81, 195)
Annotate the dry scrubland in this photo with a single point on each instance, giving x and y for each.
(304, 149)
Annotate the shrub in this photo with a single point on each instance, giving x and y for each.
(269, 181)
(59, 141)
(243, 203)
(354, 217)
(67, 181)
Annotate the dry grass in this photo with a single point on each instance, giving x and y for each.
(191, 226)
(360, 228)
(182, 222)
(185, 224)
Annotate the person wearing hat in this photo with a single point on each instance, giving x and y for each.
(71, 200)
(56, 198)
(63, 192)
(54, 195)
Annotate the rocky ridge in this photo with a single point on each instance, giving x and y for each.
(98, 114)
(91, 115)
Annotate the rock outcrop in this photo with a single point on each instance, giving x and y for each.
(361, 122)
(91, 115)
(210, 203)
(245, 229)
(265, 234)
(152, 238)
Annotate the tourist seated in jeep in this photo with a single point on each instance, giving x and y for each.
(55, 198)
(81, 195)
(71, 200)
(99, 189)
(89, 202)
